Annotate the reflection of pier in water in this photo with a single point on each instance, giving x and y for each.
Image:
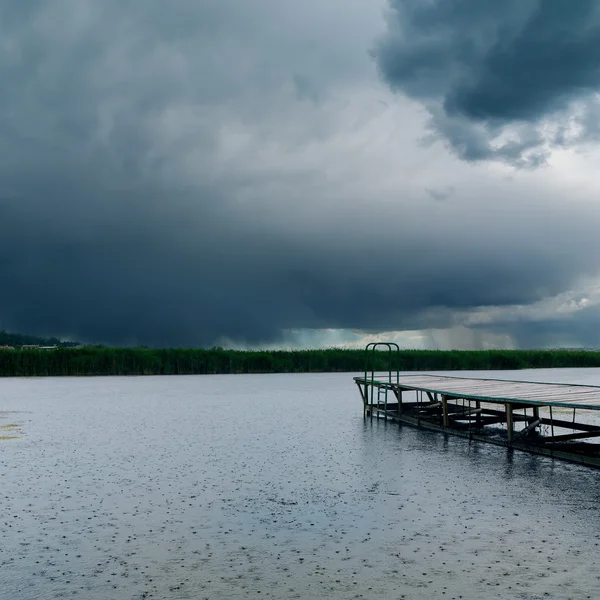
(554, 419)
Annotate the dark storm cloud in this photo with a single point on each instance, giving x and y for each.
(177, 174)
(481, 65)
(120, 221)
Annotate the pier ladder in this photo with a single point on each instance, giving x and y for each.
(373, 352)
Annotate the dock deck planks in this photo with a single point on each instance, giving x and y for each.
(501, 391)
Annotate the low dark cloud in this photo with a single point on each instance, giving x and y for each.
(214, 171)
(483, 65)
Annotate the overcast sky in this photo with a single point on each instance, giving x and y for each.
(275, 173)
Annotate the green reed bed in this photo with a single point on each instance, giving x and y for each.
(145, 361)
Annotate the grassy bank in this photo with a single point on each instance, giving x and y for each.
(143, 361)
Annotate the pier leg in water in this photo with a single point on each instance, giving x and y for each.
(445, 411)
(399, 398)
(509, 423)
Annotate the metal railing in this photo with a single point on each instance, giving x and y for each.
(370, 355)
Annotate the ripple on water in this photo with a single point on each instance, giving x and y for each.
(274, 486)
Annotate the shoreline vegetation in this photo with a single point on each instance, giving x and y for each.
(97, 361)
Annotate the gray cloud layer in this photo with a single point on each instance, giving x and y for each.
(482, 65)
(230, 170)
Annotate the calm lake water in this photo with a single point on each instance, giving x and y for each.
(273, 486)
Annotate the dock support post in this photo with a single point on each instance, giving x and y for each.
(385, 409)
(509, 423)
(445, 412)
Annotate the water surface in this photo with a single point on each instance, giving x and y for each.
(274, 486)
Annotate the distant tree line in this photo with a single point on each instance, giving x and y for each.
(18, 339)
(146, 361)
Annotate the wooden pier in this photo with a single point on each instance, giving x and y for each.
(558, 420)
